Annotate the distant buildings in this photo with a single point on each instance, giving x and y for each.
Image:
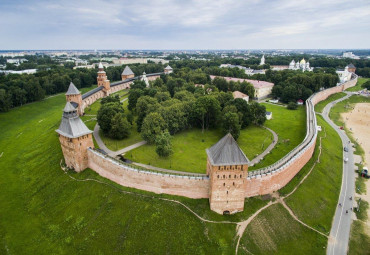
(350, 55)
(127, 61)
(262, 89)
(247, 70)
(262, 60)
(27, 71)
(301, 65)
(16, 61)
(346, 74)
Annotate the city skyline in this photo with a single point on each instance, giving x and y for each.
(194, 25)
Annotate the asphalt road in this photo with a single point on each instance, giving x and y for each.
(340, 230)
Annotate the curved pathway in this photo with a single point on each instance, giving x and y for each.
(340, 230)
(268, 149)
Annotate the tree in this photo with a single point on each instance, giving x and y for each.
(206, 111)
(110, 99)
(366, 85)
(244, 109)
(144, 105)
(134, 95)
(259, 113)
(163, 144)
(292, 106)
(153, 125)
(105, 115)
(230, 124)
(5, 101)
(221, 84)
(120, 127)
(162, 96)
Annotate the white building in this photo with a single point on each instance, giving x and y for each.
(145, 79)
(262, 60)
(301, 65)
(344, 75)
(350, 55)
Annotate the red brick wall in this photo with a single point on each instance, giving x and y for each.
(168, 184)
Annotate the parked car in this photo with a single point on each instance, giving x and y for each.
(346, 149)
(346, 160)
(341, 127)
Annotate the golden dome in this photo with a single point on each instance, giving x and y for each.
(303, 62)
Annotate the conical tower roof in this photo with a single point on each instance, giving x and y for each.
(226, 152)
(72, 90)
(72, 126)
(168, 67)
(100, 66)
(69, 107)
(127, 71)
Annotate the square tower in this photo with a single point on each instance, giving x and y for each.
(75, 138)
(102, 80)
(227, 168)
(127, 73)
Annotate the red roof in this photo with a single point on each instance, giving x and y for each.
(255, 83)
(300, 101)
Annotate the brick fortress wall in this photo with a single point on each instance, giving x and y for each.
(199, 188)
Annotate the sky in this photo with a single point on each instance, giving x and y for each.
(175, 24)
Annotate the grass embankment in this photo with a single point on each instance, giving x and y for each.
(43, 211)
(320, 106)
(290, 126)
(190, 148)
(314, 202)
(358, 86)
(359, 242)
(274, 231)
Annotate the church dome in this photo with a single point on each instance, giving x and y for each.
(303, 62)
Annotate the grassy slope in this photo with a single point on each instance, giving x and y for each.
(274, 232)
(189, 148)
(288, 124)
(320, 106)
(316, 206)
(358, 85)
(43, 211)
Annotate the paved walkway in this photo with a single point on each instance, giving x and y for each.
(111, 153)
(167, 170)
(340, 230)
(123, 100)
(269, 148)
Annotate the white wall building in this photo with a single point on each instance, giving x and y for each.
(344, 75)
(301, 65)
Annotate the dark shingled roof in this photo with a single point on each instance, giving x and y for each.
(351, 66)
(226, 152)
(71, 125)
(72, 90)
(91, 92)
(127, 71)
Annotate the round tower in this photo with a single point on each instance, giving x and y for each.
(75, 138)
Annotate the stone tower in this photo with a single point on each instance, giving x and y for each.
(145, 79)
(75, 138)
(227, 168)
(127, 73)
(102, 80)
(73, 96)
(168, 70)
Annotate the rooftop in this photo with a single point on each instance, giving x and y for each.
(255, 83)
(72, 90)
(226, 152)
(127, 71)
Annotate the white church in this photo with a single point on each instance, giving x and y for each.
(301, 65)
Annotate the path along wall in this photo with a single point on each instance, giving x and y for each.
(198, 187)
(276, 179)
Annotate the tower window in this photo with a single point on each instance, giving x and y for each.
(233, 183)
(229, 175)
(224, 184)
(218, 176)
(227, 192)
(240, 176)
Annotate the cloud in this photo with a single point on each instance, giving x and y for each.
(171, 24)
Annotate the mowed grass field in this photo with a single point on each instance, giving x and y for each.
(290, 126)
(314, 202)
(320, 106)
(44, 211)
(358, 87)
(190, 148)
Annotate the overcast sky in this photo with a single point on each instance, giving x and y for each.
(175, 24)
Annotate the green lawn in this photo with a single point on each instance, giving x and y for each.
(290, 126)
(115, 144)
(315, 201)
(358, 87)
(358, 242)
(274, 231)
(189, 148)
(320, 106)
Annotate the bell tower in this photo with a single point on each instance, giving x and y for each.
(73, 96)
(227, 168)
(102, 80)
(75, 138)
